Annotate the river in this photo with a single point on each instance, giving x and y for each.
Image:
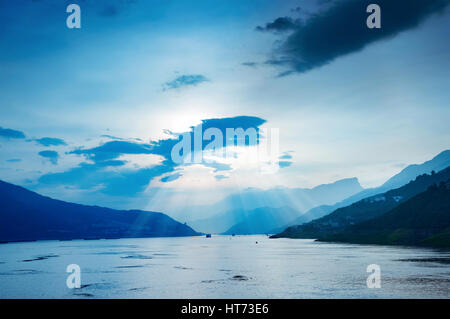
(220, 267)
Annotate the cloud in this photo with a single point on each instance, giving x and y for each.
(171, 178)
(11, 134)
(49, 141)
(185, 80)
(281, 24)
(52, 156)
(286, 156)
(244, 122)
(111, 137)
(110, 182)
(14, 160)
(220, 177)
(125, 181)
(113, 149)
(341, 29)
(218, 167)
(284, 164)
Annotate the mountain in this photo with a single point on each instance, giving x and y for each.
(25, 215)
(365, 209)
(312, 214)
(422, 220)
(438, 163)
(264, 220)
(234, 208)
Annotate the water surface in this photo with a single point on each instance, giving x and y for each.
(220, 267)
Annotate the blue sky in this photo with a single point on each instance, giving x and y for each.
(88, 114)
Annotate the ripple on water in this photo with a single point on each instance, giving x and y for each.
(440, 260)
(139, 288)
(182, 267)
(21, 272)
(137, 256)
(83, 294)
(240, 278)
(44, 257)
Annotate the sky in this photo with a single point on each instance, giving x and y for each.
(90, 115)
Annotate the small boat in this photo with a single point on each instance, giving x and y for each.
(208, 235)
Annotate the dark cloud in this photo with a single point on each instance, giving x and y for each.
(244, 122)
(52, 156)
(341, 29)
(185, 80)
(281, 24)
(11, 134)
(50, 141)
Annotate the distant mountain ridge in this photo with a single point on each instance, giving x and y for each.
(422, 220)
(437, 163)
(364, 209)
(409, 173)
(25, 215)
(263, 220)
(234, 208)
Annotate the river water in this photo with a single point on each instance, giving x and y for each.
(220, 267)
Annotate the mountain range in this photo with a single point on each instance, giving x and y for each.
(25, 215)
(310, 204)
(235, 208)
(263, 220)
(423, 220)
(409, 173)
(365, 209)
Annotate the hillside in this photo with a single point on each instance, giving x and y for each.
(25, 215)
(422, 220)
(263, 220)
(365, 209)
(409, 173)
